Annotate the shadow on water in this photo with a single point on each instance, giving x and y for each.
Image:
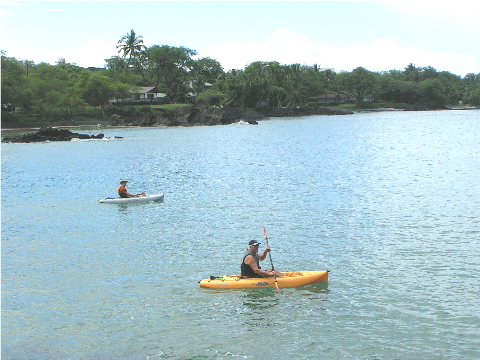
(260, 299)
(259, 305)
(320, 288)
(266, 298)
(265, 308)
(122, 208)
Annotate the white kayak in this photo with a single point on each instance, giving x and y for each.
(139, 199)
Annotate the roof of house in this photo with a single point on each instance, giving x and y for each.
(327, 96)
(145, 89)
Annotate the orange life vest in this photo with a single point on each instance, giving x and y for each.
(122, 191)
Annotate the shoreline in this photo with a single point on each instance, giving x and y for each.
(90, 126)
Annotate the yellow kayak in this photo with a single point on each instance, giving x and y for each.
(292, 279)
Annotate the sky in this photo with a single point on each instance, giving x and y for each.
(343, 35)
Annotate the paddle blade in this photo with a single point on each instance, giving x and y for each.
(278, 289)
(265, 232)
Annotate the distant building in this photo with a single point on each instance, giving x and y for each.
(327, 69)
(194, 86)
(144, 95)
(94, 69)
(341, 97)
(148, 93)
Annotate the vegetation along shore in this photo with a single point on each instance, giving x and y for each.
(163, 85)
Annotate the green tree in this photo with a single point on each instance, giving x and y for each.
(452, 87)
(471, 89)
(295, 85)
(72, 69)
(204, 73)
(432, 93)
(47, 82)
(98, 89)
(115, 68)
(393, 89)
(233, 84)
(132, 46)
(418, 74)
(70, 101)
(411, 73)
(15, 90)
(210, 68)
(327, 81)
(474, 97)
(270, 84)
(258, 80)
(259, 84)
(210, 97)
(169, 67)
(360, 82)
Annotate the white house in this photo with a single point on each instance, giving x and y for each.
(142, 95)
(148, 93)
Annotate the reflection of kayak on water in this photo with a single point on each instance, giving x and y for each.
(139, 199)
(292, 279)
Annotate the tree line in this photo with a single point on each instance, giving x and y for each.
(176, 71)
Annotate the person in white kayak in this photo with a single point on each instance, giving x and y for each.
(123, 193)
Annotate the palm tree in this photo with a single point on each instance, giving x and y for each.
(295, 85)
(132, 46)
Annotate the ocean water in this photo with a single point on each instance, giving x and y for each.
(389, 202)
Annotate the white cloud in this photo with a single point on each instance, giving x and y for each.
(92, 53)
(387, 54)
(89, 54)
(284, 47)
(377, 55)
(12, 3)
(4, 12)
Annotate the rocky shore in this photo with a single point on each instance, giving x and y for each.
(207, 115)
(185, 116)
(49, 134)
(147, 116)
(150, 117)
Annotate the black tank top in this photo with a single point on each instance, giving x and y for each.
(246, 270)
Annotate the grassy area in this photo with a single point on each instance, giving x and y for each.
(343, 106)
(171, 107)
(59, 111)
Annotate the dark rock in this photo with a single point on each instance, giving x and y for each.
(197, 115)
(49, 134)
(187, 116)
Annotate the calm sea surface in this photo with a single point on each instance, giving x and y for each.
(388, 202)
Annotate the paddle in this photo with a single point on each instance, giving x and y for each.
(270, 256)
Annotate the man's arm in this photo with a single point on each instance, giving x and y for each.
(264, 255)
(250, 260)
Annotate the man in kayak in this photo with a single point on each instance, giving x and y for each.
(122, 190)
(250, 267)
